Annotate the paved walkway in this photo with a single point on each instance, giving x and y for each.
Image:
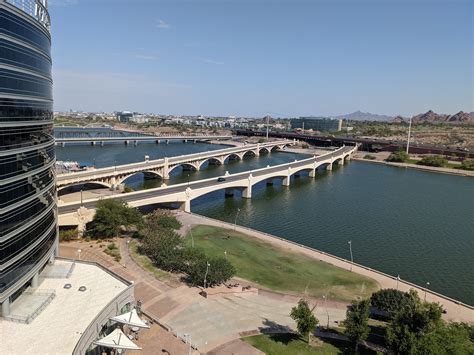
(456, 311)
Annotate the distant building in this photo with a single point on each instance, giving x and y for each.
(124, 116)
(317, 123)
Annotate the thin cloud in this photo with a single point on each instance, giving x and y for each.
(210, 61)
(146, 57)
(162, 24)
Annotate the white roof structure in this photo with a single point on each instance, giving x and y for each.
(58, 328)
(117, 340)
(131, 319)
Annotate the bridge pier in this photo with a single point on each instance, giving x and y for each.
(185, 206)
(247, 192)
(93, 143)
(229, 192)
(127, 142)
(341, 162)
(167, 141)
(312, 173)
(101, 143)
(270, 182)
(157, 141)
(329, 167)
(135, 143)
(286, 181)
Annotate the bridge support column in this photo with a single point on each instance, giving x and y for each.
(185, 206)
(286, 181)
(157, 141)
(102, 143)
(341, 162)
(312, 173)
(166, 173)
(229, 192)
(247, 192)
(269, 182)
(127, 142)
(93, 143)
(329, 167)
(167, 141)
(135, 143)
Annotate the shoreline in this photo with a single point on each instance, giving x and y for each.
(432, 169)
(457, 311)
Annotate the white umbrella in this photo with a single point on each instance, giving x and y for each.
(131, 319)
(117, 340)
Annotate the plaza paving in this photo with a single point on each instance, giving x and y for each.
(212, 322)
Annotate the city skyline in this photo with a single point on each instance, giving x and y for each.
(250, 59)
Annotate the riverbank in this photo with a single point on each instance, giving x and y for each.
(359, 157)
(456, 311)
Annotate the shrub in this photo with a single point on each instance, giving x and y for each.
(68, 235)
(113, 251)
(159, 219)
(467, 164)
(369, 157)
(400, 156)
(433, 160)
(305, 145)
(127, 189)
(164, 247)
(261, 140)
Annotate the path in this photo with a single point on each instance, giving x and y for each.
(456, 311)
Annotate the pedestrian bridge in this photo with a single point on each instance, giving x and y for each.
(182, 194)
(161, 168)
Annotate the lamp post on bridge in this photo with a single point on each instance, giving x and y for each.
(350, 249)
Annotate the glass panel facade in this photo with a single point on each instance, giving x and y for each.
(27, 180)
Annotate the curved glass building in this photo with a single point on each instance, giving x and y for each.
(28, 231)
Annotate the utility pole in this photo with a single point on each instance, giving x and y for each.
(409, 134)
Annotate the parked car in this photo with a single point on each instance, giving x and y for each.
(221, 179)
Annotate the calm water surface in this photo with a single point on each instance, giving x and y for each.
(416, 224)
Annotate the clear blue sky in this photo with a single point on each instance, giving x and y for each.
(249, 57)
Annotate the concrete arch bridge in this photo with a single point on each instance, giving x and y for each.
(183, 194)
(161, 168)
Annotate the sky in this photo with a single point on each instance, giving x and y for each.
(254, 57)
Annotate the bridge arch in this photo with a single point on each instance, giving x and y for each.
(185, 166)
(211, 161)
(324, 164)
(89, 185)
(232, 156)
(249, 153)
(265, 150)
(146, 174)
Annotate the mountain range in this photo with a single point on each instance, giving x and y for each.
(427, 117)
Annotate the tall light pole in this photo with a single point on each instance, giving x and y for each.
(192, 236)
(225, 253)
(235, 221)
(350, 249)
(409, 134)
(398, 280)
(427, 284)
(81, 195)
(205, 275)
(326, 306)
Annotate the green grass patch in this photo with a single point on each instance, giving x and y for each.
(276, 344)
(145, 262)
(275, 268)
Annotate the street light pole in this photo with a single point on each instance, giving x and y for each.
(81, 195)
(235, 221)
(205, 276)
(427, 284)
(326, 306)
(398, 280)
(350, 249)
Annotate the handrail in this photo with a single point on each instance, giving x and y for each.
(34, 8)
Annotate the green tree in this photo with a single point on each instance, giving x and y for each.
(165, 248)
(304, 318)
(220, 270)
(433, 160)
(160, 219)
(467, 164)
(411, 323)
(110, 216)
(389, 300)
(454, 338)
(400, 156)
(357, 322)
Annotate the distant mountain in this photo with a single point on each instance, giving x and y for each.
(365, 116)
(433, 117)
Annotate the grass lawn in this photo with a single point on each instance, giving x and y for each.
(145, 263)
(277, 269)
(275, 344)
